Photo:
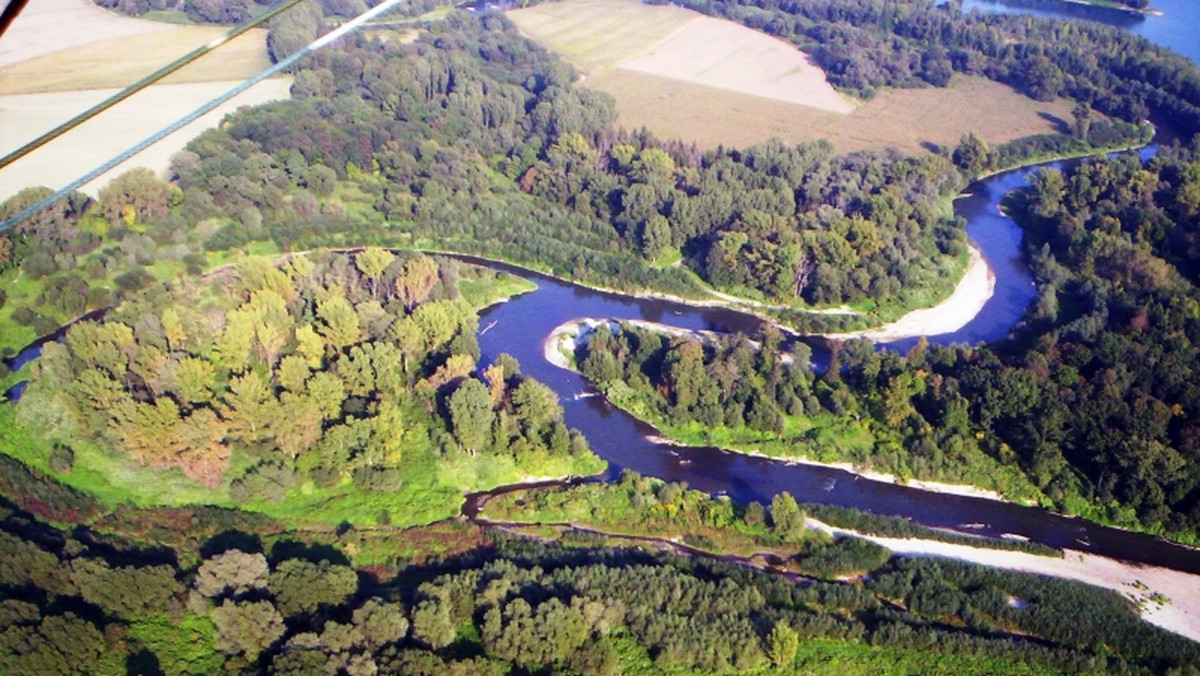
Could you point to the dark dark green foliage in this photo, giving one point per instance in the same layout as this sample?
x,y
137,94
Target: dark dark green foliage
x,y
1095,395
844,556
301,586
127,591
58,645
864,45
268,481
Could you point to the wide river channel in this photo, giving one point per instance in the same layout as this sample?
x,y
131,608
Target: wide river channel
x,y
521,326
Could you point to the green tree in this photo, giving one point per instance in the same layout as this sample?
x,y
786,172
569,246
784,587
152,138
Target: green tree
x,y
381,623
973,154
782,644
233,572
536,406
301,587
194,380
432,625
128,592
471,414
787,518
339,322
415,280
247,628
656,236
61,645
372,262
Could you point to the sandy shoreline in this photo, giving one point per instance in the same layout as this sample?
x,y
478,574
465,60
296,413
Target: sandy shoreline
x,y
1180,613
973,291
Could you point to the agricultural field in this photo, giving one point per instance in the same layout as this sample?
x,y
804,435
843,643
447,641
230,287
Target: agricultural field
x,y
661,66
116,62
60,57
25,117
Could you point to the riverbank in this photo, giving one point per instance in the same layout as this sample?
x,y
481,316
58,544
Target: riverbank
x,y
972,292
931,486
565,337
1121,7
1165,598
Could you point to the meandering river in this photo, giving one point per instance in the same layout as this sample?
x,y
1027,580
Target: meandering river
x,y
521,325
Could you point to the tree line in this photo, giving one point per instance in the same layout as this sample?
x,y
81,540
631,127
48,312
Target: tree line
x,y
867,44
94,602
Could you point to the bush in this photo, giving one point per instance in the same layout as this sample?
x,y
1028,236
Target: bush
x,y
62,459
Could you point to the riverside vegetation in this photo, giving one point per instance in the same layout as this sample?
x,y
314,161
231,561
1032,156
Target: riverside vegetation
x,y
332,384
1086,404
232,440
225,591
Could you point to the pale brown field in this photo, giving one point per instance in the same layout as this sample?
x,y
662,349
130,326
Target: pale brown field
x,y
120,61
687,79
62,56
602,36
47,26
595,34
24,117
907,119
66,45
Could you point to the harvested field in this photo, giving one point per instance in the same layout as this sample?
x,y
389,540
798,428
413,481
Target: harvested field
x,y
64,45
602,36
908,119
47,26
24,117
118,62
686,76
730,57
595,34
61,57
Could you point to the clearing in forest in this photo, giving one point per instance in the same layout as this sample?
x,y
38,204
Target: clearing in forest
x,y
687,76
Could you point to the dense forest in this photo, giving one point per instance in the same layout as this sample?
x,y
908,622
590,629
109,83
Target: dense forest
x,y
443,141
867,44
1093,399
341,377
317,401
734,393
248,599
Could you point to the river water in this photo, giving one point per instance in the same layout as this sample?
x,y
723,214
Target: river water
x,y
1178,28
522,325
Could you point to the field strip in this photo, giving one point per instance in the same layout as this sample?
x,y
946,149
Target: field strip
x,y
731,57
24,117
657,44
198,112
116,62
46,26
595,34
